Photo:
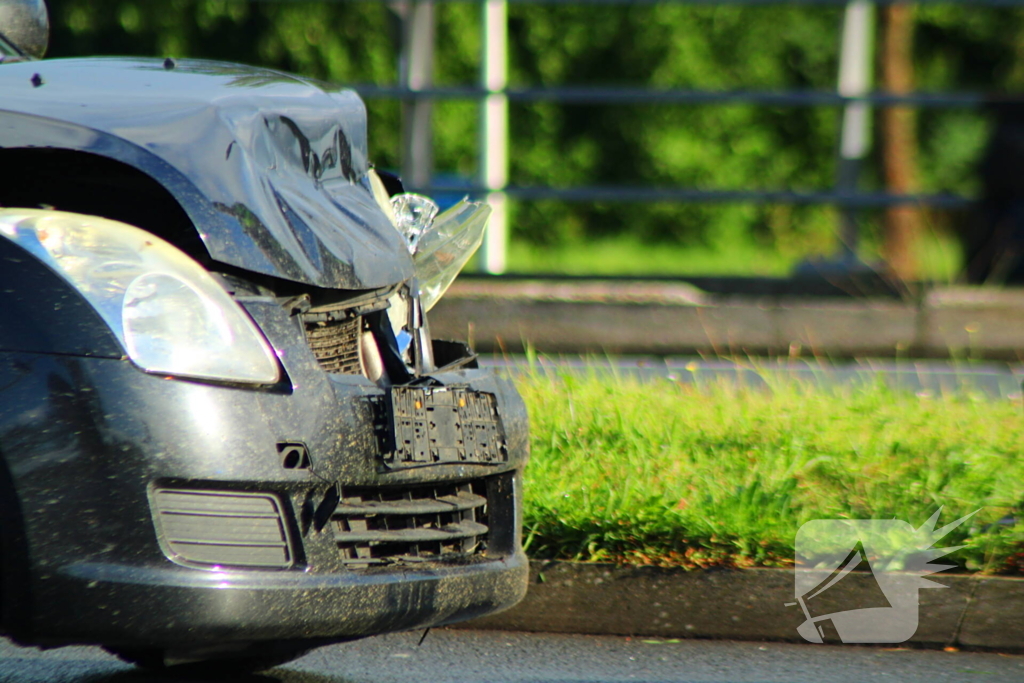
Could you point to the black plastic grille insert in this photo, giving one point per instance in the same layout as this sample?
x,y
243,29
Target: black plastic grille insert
x,y
222,528
436,522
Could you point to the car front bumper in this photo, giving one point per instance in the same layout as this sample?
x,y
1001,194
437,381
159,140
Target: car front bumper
x,y
86,441
124,605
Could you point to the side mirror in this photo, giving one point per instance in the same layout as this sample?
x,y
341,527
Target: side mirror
x,y
25,24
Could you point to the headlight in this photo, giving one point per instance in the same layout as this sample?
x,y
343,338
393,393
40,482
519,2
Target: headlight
x,y
169,313
445,247
440,245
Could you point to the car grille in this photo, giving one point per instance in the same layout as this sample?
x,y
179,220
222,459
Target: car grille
x,y
335,343
411,524
222,528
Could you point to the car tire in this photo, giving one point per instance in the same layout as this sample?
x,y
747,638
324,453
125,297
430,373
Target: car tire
x,y
241,661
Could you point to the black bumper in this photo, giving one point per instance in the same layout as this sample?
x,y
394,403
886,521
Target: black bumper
x,y
86,441
126,606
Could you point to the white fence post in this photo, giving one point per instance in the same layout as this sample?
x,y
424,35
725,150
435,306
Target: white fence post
x,y
417,73
494,133
855,71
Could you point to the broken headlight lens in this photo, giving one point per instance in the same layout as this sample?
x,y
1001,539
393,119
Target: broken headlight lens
x,y
413,216
440,244
169,313
445,246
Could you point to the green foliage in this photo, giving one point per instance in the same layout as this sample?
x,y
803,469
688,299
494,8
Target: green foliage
x,y
709,147
661,472
670,45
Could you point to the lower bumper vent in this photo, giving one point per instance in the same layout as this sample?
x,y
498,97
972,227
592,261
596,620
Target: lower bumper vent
x,y
222,528
411,524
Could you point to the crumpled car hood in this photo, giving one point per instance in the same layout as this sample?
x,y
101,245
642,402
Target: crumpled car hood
x,y
271,168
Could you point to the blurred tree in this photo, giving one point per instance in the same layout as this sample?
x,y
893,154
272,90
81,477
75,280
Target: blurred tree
x,y
899,140
703,146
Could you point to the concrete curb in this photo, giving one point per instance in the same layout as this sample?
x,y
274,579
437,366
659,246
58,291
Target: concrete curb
x,y
750,604
677,318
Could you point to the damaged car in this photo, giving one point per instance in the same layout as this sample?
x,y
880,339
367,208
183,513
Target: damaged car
x,y
225,429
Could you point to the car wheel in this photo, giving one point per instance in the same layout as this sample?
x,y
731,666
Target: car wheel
x,y
255,657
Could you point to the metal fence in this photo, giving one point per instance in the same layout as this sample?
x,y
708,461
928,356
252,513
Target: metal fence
x,y
853,94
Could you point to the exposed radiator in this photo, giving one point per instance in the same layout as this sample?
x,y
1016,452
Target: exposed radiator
x,y
335,343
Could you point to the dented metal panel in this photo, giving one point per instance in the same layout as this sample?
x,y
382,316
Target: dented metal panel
x,y
270,168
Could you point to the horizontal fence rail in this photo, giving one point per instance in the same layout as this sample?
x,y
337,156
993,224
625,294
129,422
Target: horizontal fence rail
x,y
854,95
615,95
627,96
618,193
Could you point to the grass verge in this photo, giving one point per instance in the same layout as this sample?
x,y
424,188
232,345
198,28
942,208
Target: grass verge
x,y
938,257
657,472
626,256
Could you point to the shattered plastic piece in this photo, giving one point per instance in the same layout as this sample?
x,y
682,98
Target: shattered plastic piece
x,y
414,214
445,248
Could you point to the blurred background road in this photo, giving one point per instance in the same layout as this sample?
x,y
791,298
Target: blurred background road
x,y
924,378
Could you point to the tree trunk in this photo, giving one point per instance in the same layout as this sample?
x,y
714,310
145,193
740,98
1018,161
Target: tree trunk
x,y
903,224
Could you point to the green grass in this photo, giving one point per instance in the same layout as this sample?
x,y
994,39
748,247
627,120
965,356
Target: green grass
x,y
626,256
661,473
939,259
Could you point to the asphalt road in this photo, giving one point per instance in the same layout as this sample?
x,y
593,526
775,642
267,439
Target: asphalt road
x,y
499,657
